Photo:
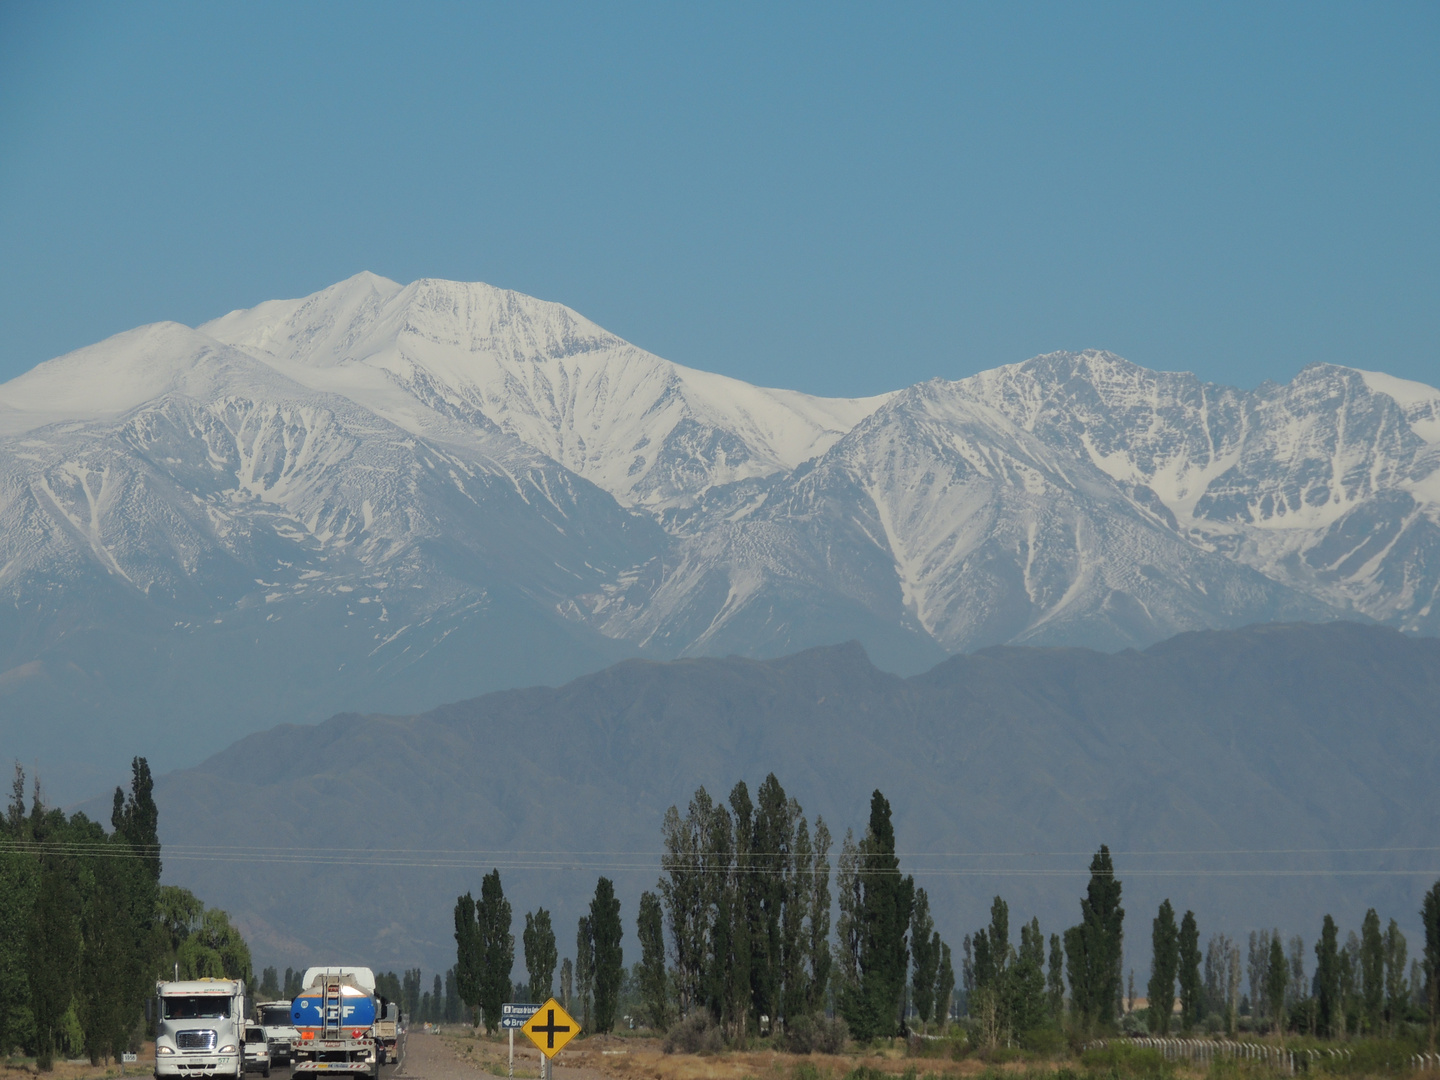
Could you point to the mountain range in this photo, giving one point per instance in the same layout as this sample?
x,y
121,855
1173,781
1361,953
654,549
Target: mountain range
x,y
381,497
1261,777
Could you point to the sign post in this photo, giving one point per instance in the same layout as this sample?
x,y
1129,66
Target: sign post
x,y
513,1014
550,1028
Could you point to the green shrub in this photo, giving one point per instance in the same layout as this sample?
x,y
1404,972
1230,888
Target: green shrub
x,y
1049,1041
818,1034
1119,1059
696,1034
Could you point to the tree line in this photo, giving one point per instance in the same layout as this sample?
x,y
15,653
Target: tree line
x,y
1365,986
738,931
86,926
737,928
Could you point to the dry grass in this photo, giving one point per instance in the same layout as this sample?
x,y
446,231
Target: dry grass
x,y
83,1070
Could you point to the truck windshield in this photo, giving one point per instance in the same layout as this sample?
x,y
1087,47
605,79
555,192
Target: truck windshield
x,y
275,1016
208,1007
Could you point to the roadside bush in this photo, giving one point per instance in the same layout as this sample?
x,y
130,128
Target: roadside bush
x,y
818,1034
804,1071
1044,1040
1119,1059
696,1034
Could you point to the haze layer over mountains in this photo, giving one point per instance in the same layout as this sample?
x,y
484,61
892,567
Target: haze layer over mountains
x,y
384,497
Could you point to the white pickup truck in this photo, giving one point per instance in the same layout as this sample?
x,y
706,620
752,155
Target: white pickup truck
x,y
201,1029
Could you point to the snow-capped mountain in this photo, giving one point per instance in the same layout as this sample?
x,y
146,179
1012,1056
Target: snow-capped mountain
x,y
386,496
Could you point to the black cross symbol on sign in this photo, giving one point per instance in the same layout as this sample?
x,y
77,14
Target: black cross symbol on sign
x,y
551,1029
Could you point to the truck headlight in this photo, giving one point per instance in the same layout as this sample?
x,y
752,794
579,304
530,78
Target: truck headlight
x,y
164,1050
228,1048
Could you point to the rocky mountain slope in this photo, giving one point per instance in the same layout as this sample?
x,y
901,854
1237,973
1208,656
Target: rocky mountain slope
x,y
1262,777
386,496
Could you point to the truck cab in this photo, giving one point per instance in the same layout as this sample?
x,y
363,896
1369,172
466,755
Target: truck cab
x,y
200,1029
280,1033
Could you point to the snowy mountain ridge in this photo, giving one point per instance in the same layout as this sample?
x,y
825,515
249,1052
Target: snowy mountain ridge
x,y
387,496
650,432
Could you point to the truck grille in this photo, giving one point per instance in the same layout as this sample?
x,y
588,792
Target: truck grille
x,y
195,1040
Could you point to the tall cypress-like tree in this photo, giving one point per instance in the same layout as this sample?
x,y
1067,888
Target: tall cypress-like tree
x,y
1372,971
54,942
818,949
541,954
770,858
19,882
1055,979
944,985
606,931
1094,949
1027,983
1328,1007
1164,964
497,948
1396,991
469,958
654,986
728,981
585,969
1192,987
924,957
1277,978
795,940
874,1007
1430,965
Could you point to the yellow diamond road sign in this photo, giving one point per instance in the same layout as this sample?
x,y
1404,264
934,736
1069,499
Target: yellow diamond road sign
x,y
551,1028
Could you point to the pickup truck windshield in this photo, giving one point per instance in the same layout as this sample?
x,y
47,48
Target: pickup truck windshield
x,y
209,1007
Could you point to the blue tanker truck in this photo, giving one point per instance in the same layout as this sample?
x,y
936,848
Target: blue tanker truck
x,y
334,1018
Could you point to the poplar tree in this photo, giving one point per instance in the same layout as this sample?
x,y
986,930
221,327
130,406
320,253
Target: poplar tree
x,y
654,986
874,1007
1191,986
795,940
53,947
925,957
1430,965
818,948
584,969
605,932
496,948
1372,971
1094,949
1055,979
728,985
769,858
1327,979
1396,991
1277,978
540,954
468,954
944,986
1164,964
1027,983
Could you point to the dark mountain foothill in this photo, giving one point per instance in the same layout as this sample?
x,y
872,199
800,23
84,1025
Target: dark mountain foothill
x,y
1262,777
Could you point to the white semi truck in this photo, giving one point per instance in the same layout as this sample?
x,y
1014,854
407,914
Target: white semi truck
x,y
200,1031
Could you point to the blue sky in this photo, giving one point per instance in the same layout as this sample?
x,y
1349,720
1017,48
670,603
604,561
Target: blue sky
x,y
840,199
